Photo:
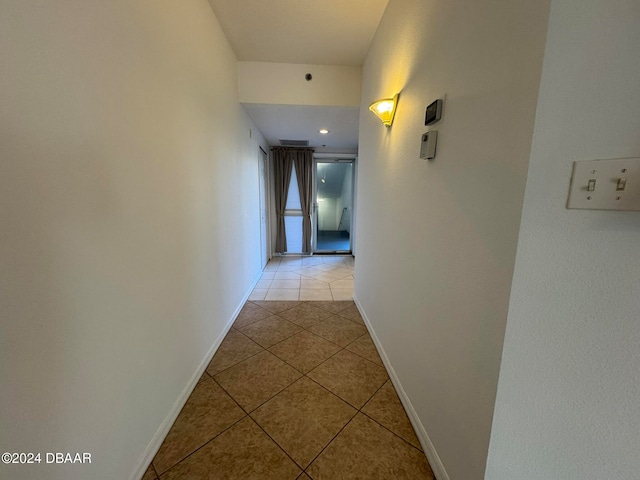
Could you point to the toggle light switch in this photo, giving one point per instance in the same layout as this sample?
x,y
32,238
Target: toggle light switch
x,y
605,185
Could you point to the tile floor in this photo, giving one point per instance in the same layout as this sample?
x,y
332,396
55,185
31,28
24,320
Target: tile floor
x,y
318,277
296,391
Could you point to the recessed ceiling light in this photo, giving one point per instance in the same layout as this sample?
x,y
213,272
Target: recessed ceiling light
x,y
323,131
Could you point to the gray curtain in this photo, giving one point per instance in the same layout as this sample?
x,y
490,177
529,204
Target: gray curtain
x,y
303,160
282,164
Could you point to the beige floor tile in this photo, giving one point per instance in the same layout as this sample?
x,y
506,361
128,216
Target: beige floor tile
x,y
338,330
150,474
365,450
276,306
313,283
340,294
365,347
334,307
328,267
257,379
264,284
334,258
340,272
258,294
271,268
344,283
270,331
289,267
315,294
288,259
308,272
305,315
329,276
386,409
304,351
208,412
235,348
283,294
286,276
286,283
268,275
349,376
306,262
243,452
303,419
249,314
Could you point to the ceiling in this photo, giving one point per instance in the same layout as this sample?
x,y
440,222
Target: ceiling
x,y
320,32
333,175
302,122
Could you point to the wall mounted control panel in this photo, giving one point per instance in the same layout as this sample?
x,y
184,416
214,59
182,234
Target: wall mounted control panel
x,y
605,185
433,113
428,145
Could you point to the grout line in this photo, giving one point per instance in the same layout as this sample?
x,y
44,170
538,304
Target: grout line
x,y
330,441
277,444
303,375
231,397
238,363
388,429
208,441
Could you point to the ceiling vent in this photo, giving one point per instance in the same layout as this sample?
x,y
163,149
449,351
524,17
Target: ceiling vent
x,y
294,143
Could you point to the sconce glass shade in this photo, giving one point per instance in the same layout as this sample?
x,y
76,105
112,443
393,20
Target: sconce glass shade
x,y
385,109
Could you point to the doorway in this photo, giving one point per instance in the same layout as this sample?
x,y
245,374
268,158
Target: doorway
x,y
333,205
263,174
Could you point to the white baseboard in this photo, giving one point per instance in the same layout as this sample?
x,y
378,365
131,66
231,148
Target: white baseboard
x,y
427,445
165,426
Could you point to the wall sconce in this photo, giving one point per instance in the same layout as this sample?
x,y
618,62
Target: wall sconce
x,y
385,109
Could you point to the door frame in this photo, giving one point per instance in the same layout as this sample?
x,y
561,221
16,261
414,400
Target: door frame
x,y
333,158
264,206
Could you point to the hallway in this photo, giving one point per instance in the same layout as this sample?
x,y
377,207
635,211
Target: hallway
x,y
318,278
295,391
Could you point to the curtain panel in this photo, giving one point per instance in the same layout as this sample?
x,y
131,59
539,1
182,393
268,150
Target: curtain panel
x,y
283,161
303,162
282,164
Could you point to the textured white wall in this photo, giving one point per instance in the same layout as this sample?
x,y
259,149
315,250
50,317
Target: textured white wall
x,y
129,221
436,240
568,404
285,84
345,200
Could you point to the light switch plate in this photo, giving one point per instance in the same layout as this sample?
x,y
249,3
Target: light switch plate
x,y
605,185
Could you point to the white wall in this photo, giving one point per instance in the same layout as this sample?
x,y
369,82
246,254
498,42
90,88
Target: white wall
x,y
568,404
345,199
285,84
328,214
129,222
436,240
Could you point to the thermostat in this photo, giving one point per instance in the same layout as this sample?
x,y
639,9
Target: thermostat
x,y
434,112
428,147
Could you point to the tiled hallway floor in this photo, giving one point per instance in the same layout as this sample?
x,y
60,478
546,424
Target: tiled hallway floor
x,y
296,391
306,278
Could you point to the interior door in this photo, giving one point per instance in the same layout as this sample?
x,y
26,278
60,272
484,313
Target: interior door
x,y
333,206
